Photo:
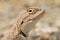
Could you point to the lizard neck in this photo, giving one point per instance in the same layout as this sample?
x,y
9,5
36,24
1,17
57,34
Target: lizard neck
x,y
14,31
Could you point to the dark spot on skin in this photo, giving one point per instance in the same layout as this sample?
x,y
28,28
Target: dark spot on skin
x,y
23,34
22,22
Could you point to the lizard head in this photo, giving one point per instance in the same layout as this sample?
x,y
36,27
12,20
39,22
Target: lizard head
x,y
32,13
30,18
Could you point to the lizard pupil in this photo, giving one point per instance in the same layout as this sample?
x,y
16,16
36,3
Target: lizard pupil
x,y
30,10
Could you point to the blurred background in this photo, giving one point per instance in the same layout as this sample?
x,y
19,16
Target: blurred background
x,y
9,10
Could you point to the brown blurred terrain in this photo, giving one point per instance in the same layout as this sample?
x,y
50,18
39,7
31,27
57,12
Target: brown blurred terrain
x,y
9,10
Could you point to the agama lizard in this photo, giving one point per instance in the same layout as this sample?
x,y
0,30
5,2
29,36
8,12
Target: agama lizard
x,y
24,22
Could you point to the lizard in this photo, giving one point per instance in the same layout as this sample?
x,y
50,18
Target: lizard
x,y
24,22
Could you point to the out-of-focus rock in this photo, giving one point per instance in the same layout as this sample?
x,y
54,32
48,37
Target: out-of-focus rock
x,y
40,32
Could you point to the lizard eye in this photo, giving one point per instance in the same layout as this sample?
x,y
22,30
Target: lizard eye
x,y
30,10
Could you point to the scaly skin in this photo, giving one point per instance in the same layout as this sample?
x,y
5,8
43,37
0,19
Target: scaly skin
x,y
26,16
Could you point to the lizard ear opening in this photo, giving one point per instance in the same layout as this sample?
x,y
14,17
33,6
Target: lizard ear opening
x,y
22,22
